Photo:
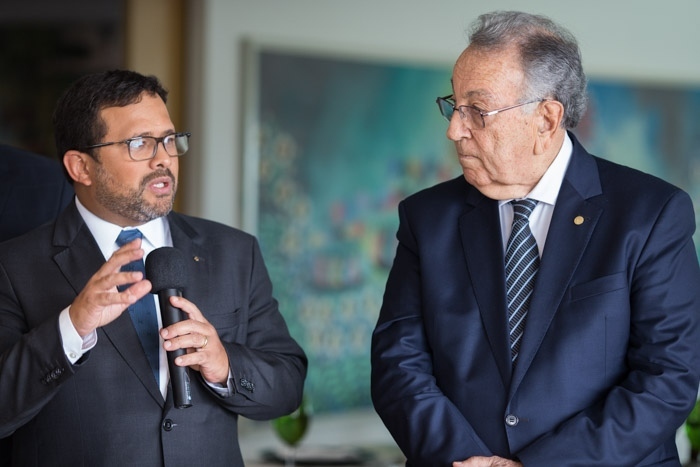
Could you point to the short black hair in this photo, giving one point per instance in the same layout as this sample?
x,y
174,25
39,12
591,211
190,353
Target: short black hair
x,y
76,119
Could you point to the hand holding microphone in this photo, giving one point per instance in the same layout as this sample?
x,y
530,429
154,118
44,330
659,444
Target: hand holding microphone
x,y
166,268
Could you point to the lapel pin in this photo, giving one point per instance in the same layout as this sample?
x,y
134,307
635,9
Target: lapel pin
x,y
578,220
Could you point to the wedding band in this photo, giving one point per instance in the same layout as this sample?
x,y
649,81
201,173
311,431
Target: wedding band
x,y
206,341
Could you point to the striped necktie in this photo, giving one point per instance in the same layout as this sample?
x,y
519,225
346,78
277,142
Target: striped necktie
x,y
522,262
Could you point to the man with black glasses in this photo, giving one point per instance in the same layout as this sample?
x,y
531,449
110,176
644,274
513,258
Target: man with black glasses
x,y
542,309
84,377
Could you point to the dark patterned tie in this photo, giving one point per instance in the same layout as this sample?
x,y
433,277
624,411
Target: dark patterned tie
x,y
522,262
143,312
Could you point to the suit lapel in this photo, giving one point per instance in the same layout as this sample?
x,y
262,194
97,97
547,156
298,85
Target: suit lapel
x,y
573,222
122,335
481,236
78,255
186,239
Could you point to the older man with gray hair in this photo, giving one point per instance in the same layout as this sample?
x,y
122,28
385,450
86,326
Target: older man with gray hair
x,y
542,309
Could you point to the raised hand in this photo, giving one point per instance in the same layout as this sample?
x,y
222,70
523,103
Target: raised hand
x,y
100,303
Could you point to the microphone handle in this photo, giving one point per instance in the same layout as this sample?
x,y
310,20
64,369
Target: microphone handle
x,y
179,375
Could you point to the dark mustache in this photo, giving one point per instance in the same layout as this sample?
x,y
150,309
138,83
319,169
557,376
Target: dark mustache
x,y
160,173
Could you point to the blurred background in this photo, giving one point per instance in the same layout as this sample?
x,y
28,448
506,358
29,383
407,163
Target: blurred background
x,y
311,119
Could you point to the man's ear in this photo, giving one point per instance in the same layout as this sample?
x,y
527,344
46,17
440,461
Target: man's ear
x,y
78,166
552,113
550,117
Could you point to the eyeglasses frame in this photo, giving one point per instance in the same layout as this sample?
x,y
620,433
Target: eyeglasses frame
x,y
482,113
159,140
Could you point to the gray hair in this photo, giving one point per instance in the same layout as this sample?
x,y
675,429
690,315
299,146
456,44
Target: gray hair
x,y
550,57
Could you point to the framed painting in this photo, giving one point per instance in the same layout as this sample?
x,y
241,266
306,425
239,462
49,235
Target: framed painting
x,y
331,145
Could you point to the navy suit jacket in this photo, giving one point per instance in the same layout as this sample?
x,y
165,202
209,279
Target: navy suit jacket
x,y
609,365
33,191
107,409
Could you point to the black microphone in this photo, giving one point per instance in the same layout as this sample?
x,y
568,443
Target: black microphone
x,y
166,268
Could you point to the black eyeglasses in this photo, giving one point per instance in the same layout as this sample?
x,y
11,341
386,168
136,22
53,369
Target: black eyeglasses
x,y
143,148
473,115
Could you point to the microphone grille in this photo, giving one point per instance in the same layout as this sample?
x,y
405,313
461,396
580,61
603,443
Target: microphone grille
x,y
166,268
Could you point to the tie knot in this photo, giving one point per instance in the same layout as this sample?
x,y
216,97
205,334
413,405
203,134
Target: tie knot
x,y
522,208
126,236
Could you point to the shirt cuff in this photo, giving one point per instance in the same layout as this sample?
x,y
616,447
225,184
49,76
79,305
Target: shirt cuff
x,y
74,346
220,389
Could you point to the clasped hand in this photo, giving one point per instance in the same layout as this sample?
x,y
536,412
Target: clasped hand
x,y
493,461
100,303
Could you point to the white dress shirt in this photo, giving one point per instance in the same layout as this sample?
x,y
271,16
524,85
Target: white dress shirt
x,y
545,192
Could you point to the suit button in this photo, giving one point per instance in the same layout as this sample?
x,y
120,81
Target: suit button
x,y
511,420
168,424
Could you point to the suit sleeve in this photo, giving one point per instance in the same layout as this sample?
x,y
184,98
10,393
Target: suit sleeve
x,y
660,386
268,366
32,364
426,425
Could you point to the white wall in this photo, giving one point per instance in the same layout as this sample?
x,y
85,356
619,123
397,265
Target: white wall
x,y
639,40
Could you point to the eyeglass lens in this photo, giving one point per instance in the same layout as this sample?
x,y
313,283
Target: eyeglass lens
x,y
446,108
473,115
145,147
